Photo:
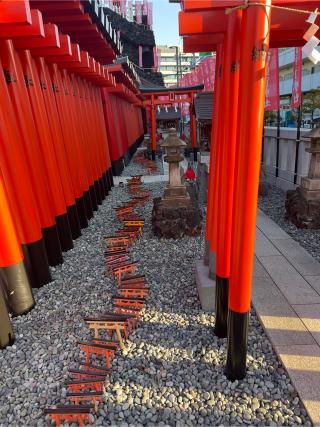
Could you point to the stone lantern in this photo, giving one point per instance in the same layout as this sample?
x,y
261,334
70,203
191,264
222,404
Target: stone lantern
x,y
176,193
310,185
176,213
303,204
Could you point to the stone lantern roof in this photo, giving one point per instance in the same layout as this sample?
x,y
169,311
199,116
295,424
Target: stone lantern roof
x,y
173,140
314,133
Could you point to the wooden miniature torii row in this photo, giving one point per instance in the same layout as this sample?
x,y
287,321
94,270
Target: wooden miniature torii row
x,y
241,33
175,95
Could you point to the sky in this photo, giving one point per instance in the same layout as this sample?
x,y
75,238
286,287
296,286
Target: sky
x,y
165,22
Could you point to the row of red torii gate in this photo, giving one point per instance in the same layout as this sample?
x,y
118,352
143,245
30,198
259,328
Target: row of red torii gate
x,y
71,115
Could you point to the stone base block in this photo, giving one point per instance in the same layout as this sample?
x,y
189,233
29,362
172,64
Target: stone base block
x,y
175,221
206,287
302,212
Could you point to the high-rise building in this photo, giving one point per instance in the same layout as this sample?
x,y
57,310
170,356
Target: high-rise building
x,y
173,63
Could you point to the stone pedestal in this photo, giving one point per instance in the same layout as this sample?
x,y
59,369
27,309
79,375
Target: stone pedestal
x,y
206,287
303,204
303,211
263,187
174,219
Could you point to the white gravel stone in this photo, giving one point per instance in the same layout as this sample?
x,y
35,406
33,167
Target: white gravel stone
x,y
172,371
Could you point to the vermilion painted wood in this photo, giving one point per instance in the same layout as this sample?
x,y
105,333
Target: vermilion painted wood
x,y
15,175
10,249
114,147
287,28
50,8
74,66
255,33
56,131
62,95
207,43
193,5
85,139
104,156
72,113
228,143
121,124
15,12
51,39
63,20
213,21
29,30
43,124
63,49
74,57
116,124
30,139
215,141
211,203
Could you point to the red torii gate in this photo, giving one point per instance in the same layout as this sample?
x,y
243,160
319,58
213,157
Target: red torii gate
x,y
176,95
241,37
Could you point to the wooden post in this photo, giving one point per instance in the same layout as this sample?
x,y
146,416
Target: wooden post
x,y
231,71
255,30
213,153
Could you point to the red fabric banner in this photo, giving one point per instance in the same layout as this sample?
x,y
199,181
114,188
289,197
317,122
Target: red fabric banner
x,y
297,79
202,74
272,101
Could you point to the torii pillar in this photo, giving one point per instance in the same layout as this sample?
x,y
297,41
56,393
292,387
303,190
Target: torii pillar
x,y
255,30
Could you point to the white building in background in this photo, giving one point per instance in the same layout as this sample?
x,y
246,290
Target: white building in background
x,y
310,72
172,62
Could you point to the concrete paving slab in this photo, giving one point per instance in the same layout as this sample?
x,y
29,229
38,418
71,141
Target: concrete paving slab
x,y
280,321
298,256
269,227
303,365
267,296
293,286
263,246
310,316
258,270
314,282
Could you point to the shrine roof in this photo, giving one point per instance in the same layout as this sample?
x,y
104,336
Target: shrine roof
x,y
168,114
203,103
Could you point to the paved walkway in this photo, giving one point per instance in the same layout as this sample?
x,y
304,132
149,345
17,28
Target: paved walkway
x,y
286,295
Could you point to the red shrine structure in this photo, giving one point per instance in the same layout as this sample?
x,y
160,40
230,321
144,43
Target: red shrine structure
x,y
71,114
240,32
152,98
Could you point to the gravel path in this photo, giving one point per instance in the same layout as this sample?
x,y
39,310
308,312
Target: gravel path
x,y
273,205
171,373
138,169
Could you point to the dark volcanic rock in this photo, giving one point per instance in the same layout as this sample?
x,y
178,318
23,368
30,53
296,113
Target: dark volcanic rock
x,y
301,212
175,222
